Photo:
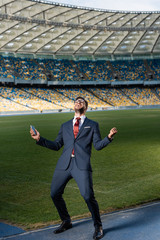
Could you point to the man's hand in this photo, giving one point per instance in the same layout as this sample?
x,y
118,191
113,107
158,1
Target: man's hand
x,y
112,132
36,137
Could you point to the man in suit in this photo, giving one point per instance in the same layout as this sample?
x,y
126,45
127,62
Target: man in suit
x,y
77,136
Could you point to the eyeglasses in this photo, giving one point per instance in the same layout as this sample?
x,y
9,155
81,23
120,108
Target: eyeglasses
x,y
79,101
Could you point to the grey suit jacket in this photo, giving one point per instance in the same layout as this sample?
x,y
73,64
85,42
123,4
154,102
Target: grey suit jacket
x,y
89,133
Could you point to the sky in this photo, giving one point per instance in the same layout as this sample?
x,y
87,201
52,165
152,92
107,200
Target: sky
x,y
129,5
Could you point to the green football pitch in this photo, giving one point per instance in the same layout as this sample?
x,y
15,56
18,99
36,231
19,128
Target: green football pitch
x,y
125,173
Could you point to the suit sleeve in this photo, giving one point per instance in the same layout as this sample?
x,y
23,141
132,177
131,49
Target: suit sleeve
x,y
97,141
53,145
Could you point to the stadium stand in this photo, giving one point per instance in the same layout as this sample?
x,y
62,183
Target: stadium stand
x,y
69,71
21,68
61,70
60,98
142,96
45,99
27,99
5,68
7,105
130,70
94,102
50,95
157,91
154,68
94,71
114,97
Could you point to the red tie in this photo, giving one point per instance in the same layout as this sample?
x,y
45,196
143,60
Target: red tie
x,y
76,129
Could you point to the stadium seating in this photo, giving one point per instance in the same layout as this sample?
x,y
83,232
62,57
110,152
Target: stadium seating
x,y
51,96
158,91
66,70
142,96
43,99
94,70
5,69
24,68
6,105
129,70
94,102
27,99
61,70
114,97
154,65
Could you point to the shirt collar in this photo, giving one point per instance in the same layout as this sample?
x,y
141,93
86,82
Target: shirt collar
x,y
82,118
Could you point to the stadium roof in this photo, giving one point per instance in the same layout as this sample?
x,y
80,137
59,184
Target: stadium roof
x,y
43,28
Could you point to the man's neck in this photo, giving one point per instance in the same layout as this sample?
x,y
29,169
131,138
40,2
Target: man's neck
x,y
79,115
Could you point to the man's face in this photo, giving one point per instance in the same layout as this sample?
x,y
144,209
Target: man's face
x,y
80,105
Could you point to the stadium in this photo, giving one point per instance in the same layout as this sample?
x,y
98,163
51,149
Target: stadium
x,y
51,53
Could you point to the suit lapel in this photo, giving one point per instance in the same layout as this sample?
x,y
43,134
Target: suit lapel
x,y
70,127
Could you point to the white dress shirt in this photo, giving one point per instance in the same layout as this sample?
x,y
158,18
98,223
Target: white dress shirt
x,y
81,121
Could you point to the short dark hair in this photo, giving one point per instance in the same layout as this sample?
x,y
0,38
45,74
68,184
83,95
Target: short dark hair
x,y
83,99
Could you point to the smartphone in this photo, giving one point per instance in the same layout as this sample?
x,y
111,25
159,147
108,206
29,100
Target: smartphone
x,y
33,128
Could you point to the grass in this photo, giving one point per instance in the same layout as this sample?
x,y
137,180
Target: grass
x,y
126,173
